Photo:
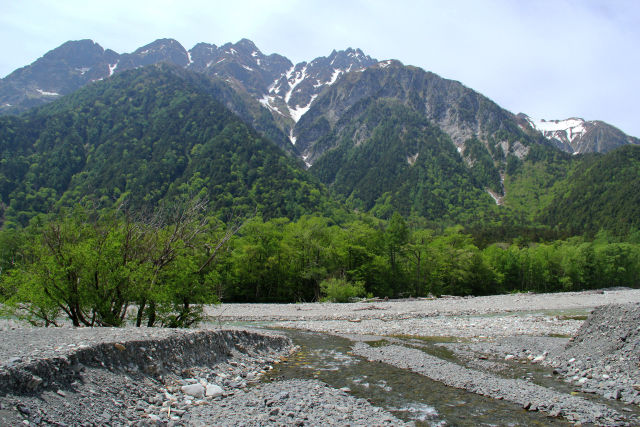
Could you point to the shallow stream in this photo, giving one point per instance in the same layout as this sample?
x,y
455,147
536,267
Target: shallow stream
x,y
407,395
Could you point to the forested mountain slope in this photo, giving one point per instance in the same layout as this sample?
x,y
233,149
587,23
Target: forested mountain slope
x,y
146,135
600,192
391,158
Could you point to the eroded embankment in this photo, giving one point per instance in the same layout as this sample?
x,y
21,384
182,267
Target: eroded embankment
x,y
126,376
151,356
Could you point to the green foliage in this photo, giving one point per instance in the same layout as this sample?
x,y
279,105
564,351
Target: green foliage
x,y
341,290
530,185
390,158
92,266
149,135
482,165
601,191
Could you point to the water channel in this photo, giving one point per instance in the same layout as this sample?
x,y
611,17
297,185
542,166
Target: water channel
x,y
407,395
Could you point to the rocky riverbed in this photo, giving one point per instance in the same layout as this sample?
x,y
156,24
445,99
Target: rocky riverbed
x,y
533,350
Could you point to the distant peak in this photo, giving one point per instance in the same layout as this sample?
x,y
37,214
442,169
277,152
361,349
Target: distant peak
x,y
158,44
247,44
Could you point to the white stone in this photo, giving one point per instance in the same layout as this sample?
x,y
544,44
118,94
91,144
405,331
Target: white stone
x,y
213,390
539,358
195,390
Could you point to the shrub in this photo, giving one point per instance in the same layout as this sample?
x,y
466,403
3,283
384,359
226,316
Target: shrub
x,y
340,290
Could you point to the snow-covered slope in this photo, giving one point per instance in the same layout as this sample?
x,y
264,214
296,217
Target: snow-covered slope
x,y
577,136
302,83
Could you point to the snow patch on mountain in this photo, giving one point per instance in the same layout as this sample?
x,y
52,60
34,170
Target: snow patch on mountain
x,y
268,101
304,159
112,68
411,160
569,129
300,76
45,93
298,112
334,76
496,197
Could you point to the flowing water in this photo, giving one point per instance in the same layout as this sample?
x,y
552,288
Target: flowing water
x,y
407,395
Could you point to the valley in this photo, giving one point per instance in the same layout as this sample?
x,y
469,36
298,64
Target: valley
x,y
319,213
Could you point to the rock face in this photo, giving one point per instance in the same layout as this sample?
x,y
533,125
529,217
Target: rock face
x,y
162,50
284,88
302,83
242,64
460,112
59,72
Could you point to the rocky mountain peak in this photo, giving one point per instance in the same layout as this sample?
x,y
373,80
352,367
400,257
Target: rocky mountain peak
x,y
576,135
292,94
247,45
161,50
289,90
393,63
59,72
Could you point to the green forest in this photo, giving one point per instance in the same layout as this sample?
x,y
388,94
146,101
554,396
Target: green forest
x,y
91,266
138,199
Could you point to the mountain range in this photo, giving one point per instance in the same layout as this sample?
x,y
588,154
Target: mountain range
x,y
380,135
288,90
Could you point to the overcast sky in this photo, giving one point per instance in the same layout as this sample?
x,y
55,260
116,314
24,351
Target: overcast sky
x,y
551,59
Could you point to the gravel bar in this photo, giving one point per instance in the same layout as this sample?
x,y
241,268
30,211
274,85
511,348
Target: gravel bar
x,y
418,308
293,402
530,396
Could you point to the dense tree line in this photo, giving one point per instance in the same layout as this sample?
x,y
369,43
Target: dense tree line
x,y
285,261
98,267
